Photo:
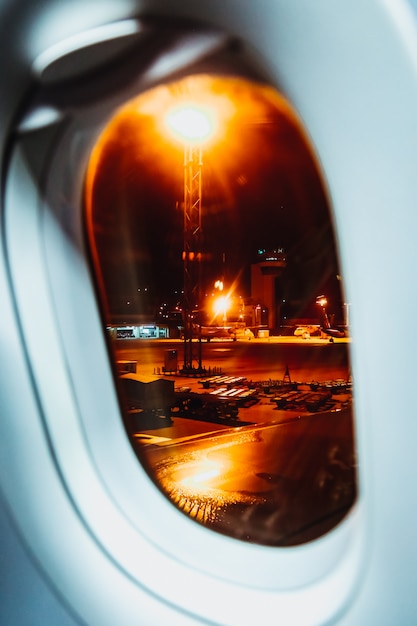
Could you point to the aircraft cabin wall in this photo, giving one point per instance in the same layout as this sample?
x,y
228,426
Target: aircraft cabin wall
x,y
76,548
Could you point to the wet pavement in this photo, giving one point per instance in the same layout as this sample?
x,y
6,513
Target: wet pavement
x,y
265,455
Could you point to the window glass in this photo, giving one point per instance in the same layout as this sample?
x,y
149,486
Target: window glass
x,y
217,270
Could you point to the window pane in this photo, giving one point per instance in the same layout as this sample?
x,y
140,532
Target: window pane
x,y
217,270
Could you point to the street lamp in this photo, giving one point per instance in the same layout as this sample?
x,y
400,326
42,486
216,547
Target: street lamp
x,y
193,125
222,302
221,306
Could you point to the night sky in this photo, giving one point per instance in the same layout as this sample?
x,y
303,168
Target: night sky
x,y
261,189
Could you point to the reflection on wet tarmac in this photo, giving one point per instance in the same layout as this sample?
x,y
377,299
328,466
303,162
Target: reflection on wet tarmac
x,y
281,484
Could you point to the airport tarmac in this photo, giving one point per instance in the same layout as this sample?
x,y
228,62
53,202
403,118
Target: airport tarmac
x,y
276,360
265,407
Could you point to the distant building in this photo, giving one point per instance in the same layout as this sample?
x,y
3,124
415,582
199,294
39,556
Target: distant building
x,y
265,273
134,327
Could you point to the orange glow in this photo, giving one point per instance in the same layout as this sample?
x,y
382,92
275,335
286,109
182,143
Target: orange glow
x,y
221,305
191,123
198,108
258,186
138,133
222,101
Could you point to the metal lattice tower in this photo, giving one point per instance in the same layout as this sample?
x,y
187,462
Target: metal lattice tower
x,y
193,163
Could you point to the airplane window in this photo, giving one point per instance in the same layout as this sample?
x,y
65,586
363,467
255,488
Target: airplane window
x,y
217,271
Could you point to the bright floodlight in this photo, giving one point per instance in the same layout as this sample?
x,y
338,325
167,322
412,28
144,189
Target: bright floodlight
x,y
321,301
190,123
221,305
